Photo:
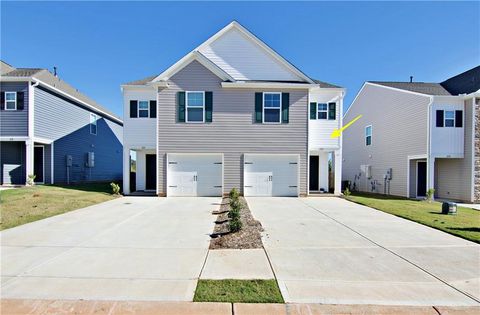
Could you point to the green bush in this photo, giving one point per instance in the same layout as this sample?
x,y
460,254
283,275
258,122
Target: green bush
x,y
234,214
347,192
235,225
115,188
430,194
234,194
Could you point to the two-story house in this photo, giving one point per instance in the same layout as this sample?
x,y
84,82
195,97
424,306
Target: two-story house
x,y
232,113
414,136
51,130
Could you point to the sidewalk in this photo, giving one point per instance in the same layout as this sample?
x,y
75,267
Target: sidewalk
x,y
35,307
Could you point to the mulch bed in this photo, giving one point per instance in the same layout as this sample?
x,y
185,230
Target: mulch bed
x,y
248,237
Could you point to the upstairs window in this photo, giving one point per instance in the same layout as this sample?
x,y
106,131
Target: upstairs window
x,y
449,118
10,100
195,107
272,107
368,135
322,110
93,124
143,109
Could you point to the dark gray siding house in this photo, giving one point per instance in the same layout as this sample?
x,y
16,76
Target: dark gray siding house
x,y
50,130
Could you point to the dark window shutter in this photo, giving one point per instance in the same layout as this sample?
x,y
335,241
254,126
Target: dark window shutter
x,y
313,110
439,118
133,109
332,111
181,106
258,106
459,118
285,107
208,106
20,100
2,102
153,109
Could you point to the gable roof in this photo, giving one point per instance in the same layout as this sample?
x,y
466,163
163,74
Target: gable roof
x,y
463,83
203,54
418,87
54,83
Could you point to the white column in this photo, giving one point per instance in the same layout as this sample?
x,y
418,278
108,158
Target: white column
x,y
338,171
28,159
126,170
430,173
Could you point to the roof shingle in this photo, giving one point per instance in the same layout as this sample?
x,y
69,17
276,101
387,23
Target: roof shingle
x,y
418,87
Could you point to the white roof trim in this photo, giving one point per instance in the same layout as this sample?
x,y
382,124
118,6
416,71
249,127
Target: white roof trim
x,y
187,59
266,85
180,64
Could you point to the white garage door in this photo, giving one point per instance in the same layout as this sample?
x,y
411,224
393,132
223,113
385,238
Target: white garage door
x,y
195,175
271,175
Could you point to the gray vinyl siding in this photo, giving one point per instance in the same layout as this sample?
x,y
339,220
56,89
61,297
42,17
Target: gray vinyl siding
x,y
477,151
15,122
12,162
453,176
399,129
233,131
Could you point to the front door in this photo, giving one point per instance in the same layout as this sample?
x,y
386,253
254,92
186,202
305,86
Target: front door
x,y
150,172
314,172
38,164
421,179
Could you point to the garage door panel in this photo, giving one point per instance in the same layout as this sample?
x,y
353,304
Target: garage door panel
x,y
271,175
204,171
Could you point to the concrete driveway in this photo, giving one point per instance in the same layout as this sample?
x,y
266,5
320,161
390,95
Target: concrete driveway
x,y
329,250
131,248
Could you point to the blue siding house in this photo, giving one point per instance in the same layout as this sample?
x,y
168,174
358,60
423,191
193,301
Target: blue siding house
x,y
50,130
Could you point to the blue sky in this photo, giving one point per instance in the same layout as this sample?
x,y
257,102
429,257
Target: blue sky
x,y
99,45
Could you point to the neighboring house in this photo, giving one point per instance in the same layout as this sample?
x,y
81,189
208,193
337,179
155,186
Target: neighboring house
x,y
414,136
50,130
231,113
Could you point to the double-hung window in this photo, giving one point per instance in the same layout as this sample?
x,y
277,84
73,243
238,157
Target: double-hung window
x,y
93,124
322,109
272,107
368,135
143,109
195,107
10,100
449,118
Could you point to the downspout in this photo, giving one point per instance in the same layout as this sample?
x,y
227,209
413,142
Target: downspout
x,y
429,142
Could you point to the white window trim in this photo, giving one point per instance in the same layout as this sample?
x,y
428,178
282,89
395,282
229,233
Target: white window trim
x,y
138,108
371,135
96,125
445,118
186,108
326,112
14,93
279,109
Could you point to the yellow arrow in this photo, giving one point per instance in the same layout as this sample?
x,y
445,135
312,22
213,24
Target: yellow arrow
x,y
338,132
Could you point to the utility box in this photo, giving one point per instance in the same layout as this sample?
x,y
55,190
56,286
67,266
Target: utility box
x,y
389,173
449,207
367,169
90,159
69,160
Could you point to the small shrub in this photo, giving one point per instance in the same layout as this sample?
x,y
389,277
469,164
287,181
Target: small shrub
x,y
234,214
347,192
235,225
234,194
115,188
31,179
235,204
430,194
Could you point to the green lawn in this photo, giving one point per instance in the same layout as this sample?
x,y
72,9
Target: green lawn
x,y
466,223
23,205
238,291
